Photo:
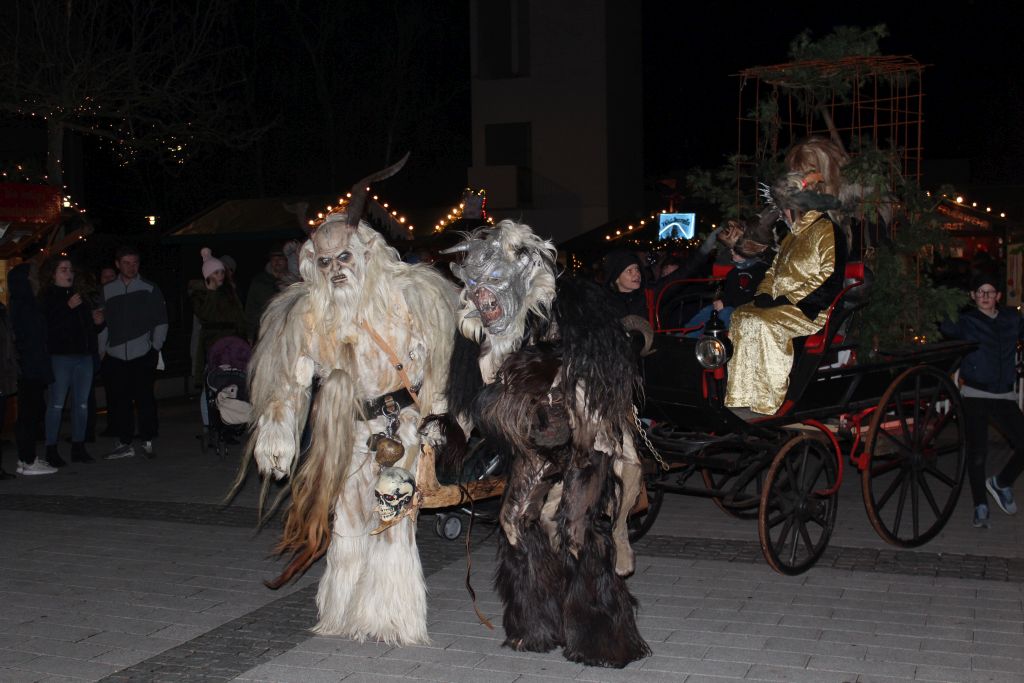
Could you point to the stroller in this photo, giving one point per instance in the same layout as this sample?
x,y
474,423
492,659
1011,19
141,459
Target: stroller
x,y
226,393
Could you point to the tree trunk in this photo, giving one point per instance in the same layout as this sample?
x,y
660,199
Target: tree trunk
x,y
55,152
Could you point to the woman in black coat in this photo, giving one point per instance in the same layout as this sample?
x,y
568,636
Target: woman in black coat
x,y
34,370
72,327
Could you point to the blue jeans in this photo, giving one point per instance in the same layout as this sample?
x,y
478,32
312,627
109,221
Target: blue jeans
x,y
704,314
72,372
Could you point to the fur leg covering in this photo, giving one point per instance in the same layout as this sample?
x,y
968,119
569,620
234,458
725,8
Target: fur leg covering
x,y
630,473
373,586
531,582
598,610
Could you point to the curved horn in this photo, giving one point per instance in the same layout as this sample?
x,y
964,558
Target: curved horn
x,y
358,203
634,323
458,248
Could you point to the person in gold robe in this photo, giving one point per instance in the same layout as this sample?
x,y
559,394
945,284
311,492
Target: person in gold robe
x,y
792,299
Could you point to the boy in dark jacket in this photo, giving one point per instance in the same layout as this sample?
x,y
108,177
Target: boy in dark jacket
x,y
987,377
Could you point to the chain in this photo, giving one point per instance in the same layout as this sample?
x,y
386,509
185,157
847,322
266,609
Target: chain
x,y
647,442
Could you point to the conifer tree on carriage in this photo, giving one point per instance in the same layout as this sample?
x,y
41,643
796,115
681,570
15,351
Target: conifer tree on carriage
x,y
817,370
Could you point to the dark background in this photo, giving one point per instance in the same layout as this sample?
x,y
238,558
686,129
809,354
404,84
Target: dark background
x,y
340,88
973,98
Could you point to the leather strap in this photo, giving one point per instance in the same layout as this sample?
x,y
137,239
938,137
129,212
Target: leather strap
x,y
393,358
379,406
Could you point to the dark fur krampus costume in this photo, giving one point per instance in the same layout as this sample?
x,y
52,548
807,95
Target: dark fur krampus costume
x,y
559,378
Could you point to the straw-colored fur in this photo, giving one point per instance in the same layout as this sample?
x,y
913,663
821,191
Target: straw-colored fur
x,y
373,585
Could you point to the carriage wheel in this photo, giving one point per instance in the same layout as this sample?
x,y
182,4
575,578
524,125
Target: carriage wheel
x,y
795,520
915,457
746,499
641,522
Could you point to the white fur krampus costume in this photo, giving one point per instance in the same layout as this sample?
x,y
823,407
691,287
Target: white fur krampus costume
x,y
559,378
377,333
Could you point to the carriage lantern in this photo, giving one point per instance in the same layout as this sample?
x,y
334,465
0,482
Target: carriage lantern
x,y
714,348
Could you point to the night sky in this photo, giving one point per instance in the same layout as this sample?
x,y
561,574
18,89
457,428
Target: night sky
x,y
973,93
392,76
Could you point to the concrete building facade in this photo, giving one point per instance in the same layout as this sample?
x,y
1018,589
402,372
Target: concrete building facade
x,y
557,111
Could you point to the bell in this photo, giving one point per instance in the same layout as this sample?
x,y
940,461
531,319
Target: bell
x,y
389,451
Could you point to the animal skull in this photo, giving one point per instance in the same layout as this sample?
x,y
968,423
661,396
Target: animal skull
x,y
394,491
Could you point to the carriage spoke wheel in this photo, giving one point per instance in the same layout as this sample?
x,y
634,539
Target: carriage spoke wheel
x,y
916,457
796,518
640,523
745,488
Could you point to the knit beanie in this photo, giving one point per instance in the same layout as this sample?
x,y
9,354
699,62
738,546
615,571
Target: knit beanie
x,y
229,263
210,264
979,280
617,261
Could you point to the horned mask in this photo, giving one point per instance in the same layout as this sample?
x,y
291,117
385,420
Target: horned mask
x,y
334,253
496,279
335,250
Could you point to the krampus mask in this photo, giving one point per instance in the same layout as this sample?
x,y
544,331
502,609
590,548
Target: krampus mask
x,y
496,280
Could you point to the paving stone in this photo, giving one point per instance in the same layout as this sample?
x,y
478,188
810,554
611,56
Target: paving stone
x,y
705,601
12,675
12,657
683,665
856,666
938,673
68,667
748,656
432,671
512,665
764,672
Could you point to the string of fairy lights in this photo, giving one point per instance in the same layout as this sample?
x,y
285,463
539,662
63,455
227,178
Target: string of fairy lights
x,y
20,173
960,200
343,201
110,131
457,212
450,218
630,232
633,230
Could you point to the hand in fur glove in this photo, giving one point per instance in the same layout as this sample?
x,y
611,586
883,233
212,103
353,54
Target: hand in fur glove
x,y
275,444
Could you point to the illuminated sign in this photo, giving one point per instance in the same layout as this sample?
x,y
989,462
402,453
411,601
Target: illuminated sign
x,y
673,226
961,220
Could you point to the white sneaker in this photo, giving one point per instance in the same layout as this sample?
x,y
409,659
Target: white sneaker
x,y
40,466
147,449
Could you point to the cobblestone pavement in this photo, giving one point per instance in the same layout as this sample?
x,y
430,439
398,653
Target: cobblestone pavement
x,y
136,571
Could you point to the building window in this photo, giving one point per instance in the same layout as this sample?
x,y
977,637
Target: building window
x,y
510,144
503,38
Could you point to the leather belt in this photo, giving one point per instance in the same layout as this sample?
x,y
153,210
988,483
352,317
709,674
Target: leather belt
x,y
388,403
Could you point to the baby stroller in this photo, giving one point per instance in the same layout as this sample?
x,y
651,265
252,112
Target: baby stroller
x,y
226,393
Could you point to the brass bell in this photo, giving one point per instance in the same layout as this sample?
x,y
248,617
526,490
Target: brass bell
x,y
389,451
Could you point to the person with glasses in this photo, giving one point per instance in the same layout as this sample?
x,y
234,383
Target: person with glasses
x,y
987,378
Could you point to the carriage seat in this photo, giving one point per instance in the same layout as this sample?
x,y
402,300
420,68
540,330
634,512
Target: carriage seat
x,y
845,303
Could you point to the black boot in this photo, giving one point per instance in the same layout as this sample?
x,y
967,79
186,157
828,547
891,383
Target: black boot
x,y
53,457
79,454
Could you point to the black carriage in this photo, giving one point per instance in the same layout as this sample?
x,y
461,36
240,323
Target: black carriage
x,y
896,416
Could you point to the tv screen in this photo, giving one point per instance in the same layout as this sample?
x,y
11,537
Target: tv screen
x,y
673,226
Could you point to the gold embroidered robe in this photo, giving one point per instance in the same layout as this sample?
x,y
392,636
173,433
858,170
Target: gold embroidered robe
x,y
758,373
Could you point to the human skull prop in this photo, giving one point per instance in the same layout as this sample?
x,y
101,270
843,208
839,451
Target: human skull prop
x,y
394,490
